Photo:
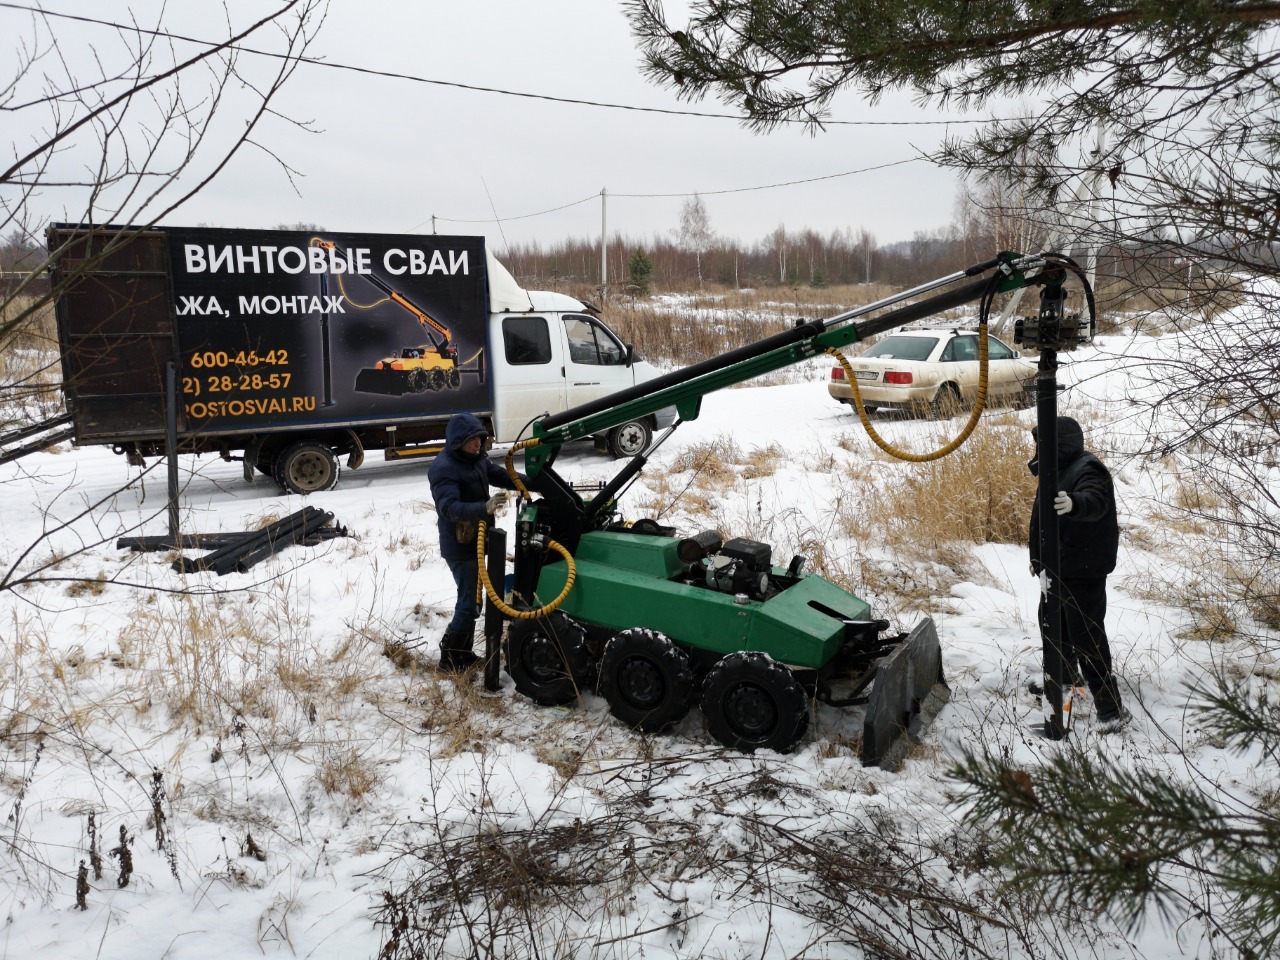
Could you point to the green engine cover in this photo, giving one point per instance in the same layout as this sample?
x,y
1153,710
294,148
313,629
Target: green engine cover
x,y
631,580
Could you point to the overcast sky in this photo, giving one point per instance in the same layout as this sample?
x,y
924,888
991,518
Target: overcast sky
x,y
393,153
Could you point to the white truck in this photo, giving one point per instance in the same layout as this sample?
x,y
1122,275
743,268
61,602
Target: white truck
x,y
290,350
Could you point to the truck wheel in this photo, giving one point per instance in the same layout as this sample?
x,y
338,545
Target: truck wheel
x,y
416,381
630,438
307,466
753,702
454,378
549,659
646,679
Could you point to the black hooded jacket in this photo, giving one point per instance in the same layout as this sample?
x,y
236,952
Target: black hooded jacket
x,y
1089,534
460,486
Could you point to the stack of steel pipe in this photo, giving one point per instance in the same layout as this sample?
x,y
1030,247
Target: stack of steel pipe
x,y
244,550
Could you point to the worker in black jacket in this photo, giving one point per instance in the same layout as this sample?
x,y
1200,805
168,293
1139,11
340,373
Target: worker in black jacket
x,y
460,477
1089,537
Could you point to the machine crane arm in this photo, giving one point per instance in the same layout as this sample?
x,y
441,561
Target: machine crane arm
x,y
685,388
424,318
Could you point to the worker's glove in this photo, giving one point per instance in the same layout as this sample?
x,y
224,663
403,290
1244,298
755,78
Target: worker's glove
x,y
497,504
1062,503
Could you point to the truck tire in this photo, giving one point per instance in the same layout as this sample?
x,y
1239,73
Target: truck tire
x,y
630,439
549,659
416,381
307,466
753,702
647,679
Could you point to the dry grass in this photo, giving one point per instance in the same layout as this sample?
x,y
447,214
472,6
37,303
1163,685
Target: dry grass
x,y
981,493
346,769
29,366
34,326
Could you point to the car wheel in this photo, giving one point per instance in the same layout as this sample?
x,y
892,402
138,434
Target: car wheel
x,y
753,702
945,403
630,439
549,659
647,679
416,381
307,466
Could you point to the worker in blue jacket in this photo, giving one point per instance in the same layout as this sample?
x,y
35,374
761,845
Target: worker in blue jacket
x,y
1089,537
460,478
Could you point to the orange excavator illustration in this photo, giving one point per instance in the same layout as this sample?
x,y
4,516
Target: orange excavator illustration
x,y
418,368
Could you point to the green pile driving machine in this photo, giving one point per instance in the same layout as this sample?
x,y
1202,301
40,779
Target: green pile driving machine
x,y
656,622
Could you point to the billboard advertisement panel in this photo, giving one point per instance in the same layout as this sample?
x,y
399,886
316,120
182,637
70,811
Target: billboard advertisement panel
x,y
288,328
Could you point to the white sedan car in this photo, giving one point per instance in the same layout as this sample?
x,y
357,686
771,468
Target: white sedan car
x,y
934,371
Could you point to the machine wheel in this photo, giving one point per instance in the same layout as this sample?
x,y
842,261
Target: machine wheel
x,y
416,381
454,378
753,702
630,438
436,379
945,403
549,659
646,679
307,466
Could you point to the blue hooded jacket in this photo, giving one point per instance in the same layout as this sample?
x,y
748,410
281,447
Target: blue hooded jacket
x,y
460,485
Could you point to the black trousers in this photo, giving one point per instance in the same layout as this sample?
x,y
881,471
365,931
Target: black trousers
x,y
1084,638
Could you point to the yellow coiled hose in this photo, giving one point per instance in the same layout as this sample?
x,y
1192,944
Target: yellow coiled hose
x,y
485,586
979,404
483,583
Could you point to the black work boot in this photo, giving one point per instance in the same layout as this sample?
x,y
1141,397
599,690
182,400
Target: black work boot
x,y
455,651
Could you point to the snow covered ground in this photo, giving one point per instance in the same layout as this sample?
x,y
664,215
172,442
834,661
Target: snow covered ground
x,y
273,775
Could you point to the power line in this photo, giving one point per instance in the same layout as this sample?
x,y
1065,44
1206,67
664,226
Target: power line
x,y
688,193
391,75
771,186
523,216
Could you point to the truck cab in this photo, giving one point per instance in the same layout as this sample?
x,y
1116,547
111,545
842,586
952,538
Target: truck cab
x,y
552,352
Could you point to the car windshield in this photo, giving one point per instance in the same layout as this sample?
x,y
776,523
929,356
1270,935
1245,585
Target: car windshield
x,y
902,348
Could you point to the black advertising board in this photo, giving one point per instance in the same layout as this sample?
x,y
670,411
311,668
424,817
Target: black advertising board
x,y
280,329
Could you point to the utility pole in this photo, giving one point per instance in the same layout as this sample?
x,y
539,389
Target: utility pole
x,y
604,249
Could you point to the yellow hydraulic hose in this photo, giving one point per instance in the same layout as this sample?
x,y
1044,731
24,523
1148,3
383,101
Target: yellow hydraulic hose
x,y
979,403
511,465
484,583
